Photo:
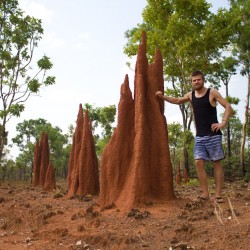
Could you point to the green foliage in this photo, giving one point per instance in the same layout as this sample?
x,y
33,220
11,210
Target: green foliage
x,y
236,129
28,132
103,117
240,23
231,163
100,145
20,35
50,80
226,67
7,169
188,139
191,37
178,139
175,142
174,134
193,182
16,109
31,131
247,177
44,63
187,33
233,100
34,85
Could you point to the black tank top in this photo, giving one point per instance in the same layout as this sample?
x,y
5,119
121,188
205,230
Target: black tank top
x,y
205,114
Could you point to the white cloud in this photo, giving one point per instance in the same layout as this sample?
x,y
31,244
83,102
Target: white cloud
x,y
80,46
83,38
37,10
51,41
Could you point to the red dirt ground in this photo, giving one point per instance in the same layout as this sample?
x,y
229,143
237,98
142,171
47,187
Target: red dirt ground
x,y
31,218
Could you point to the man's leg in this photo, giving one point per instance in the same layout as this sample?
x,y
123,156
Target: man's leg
x,y
219,178
202,176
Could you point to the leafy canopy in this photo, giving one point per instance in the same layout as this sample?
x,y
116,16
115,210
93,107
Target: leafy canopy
x,y
19,35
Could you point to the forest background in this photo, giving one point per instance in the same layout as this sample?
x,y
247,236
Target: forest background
x,y
88,58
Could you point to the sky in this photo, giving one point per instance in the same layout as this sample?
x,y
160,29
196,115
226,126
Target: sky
x,y
84,40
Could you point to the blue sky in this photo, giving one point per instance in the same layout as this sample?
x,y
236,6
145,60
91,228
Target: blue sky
x,y
85,40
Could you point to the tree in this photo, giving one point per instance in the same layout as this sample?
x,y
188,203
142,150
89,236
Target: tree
x,y
28,132
240,23
6,167
175,141
227,70
19,36
101,116
189,36
232,162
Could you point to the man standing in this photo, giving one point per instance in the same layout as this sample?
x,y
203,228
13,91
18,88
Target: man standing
x,y
208,140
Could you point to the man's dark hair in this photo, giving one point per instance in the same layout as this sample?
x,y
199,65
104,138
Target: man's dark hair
x,y
197,73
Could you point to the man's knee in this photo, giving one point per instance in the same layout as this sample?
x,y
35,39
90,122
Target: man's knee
x,y
199,163
217,164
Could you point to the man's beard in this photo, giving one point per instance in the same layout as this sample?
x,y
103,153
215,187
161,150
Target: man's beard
x,y
198,87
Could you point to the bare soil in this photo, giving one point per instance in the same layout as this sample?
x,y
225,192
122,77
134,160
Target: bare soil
x,y
31,218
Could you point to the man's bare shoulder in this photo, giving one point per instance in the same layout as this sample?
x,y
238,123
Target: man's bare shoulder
x,y
189,96
215,93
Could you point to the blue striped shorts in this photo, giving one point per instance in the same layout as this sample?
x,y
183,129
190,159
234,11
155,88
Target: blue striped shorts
x,y
208,148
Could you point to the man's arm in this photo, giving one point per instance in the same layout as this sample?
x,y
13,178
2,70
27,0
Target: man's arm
x,y
228,109
223,102
174,100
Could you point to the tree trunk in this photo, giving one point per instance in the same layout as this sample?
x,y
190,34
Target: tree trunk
x,y
185,125
242,148
31,172
186,160
228,132
3,138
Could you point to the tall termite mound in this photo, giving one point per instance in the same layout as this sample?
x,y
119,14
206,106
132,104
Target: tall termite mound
x,y
50,181
135,164
36,164
83,176
44,174
44,158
